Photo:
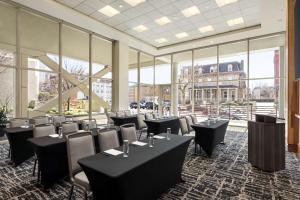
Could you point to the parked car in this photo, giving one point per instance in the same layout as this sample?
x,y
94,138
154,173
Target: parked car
x,y
151,105
133,105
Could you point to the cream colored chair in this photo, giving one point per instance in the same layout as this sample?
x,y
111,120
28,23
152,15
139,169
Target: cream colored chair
x,y
68,128
128,132
108,139
79,145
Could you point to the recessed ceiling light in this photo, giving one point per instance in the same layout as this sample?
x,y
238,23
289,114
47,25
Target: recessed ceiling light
x,y
162,21
188,12
108,11
140,28
120,6
181,35
161,40
134,2
222,3
205,29
236,21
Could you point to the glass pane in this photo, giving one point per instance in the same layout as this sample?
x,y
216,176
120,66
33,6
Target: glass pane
x,y
265,56
206,103
182,63
75,72
184,98
7,85
42,91
133,80
233,61
205,64
101,78
163,84
146,80
263,97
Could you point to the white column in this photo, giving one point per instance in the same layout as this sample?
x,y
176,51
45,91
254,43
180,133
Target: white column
x,y
236,94
174,89
210,94
228,94
120,76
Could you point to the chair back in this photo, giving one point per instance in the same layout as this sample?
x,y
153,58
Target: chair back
x,y
43,130
120,114
58,119
128,132
108,139
40,120
183,126
79,145
189,122
17,122
127,113
140,121
149,116
194,118
109,119
91,123
155,115
68,128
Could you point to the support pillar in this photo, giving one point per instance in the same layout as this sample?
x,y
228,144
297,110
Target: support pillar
x,y
174,89
120,76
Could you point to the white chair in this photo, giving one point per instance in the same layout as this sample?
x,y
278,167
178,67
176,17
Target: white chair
x,y
40,120
108,139
68,128
120,114
155,115
127,113
18,122
41,131
194,118
149,116
109,119
90,123
79,145
58,119
142,126
189,122
128,132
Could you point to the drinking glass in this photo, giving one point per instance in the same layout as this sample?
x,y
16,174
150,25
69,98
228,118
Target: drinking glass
x,y
26,124
60,135
125,148
151,140
168,133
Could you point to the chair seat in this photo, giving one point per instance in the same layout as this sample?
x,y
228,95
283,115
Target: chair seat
x,y
81,179
192,133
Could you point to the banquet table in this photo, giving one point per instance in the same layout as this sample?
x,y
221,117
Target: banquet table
x,y
20,149
119,121
209,135
158,126
145,174
52,157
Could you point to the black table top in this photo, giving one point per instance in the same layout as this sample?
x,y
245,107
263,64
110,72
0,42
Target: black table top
x,y
46,141
124,117
115,166
211,125
161,120
18,129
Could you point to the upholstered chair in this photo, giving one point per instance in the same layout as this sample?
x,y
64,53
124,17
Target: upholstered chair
x,y
128,132
108,140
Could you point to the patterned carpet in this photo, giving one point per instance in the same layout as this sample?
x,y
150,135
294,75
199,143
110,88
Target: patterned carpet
x,y
226,175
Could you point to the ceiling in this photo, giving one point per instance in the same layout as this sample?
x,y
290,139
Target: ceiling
x,y
146,14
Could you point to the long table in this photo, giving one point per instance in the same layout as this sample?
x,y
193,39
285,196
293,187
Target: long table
x,y
52,157
145,174
209,135
158,126
20,149
119,121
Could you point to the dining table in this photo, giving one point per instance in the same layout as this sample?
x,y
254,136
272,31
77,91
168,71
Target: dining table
x,y
20,149
145,174
160,125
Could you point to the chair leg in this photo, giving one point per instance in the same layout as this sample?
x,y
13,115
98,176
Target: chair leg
x,y
85,195
141,132
34,166
9,152
71,192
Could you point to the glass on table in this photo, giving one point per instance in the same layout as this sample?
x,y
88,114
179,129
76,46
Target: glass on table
x,y
151,140
168,133
26,124
60,135
125,148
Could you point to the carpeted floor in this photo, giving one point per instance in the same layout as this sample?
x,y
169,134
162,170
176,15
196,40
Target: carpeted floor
x,y
226,175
